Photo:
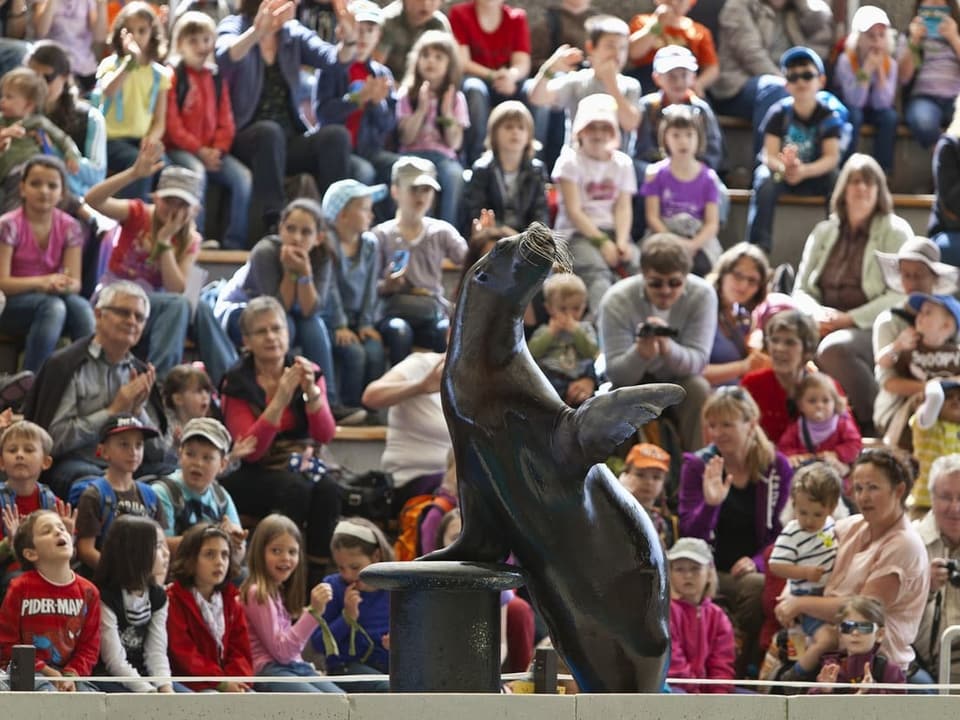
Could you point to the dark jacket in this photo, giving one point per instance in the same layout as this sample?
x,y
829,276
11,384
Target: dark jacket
x,y
945,213
333,105
483,191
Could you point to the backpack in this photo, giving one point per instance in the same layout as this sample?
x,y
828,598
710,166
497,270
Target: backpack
x,y
108,500
409,544
104,102
182,513
183,84
8,498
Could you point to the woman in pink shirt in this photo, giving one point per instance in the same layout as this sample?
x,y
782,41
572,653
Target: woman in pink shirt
x,y
40,258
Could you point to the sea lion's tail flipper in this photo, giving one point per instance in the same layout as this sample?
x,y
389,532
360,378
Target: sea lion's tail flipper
x,y
605,421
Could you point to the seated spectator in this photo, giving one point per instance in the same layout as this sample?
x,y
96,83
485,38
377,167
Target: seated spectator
x,y
187,394
644,474
940,532
40,265
801,144
929,64
404,21
281,401
659,326
669,26
13,24
879,555
80,28
936,432
494,44
865,76
732,493
944,224
80,386
739,279
914,268
840,284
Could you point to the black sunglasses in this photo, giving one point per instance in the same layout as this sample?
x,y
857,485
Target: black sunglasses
x,y
807,75
657,283
864,627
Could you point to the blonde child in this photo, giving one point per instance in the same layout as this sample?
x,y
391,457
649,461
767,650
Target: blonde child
x,y
806,549
825,429
681,192
566,347
131,90
597,183
865,77
701,635
644,476
272,595
199,123
432,114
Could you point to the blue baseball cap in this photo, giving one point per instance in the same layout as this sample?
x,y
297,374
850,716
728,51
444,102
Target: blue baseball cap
x,y
948,301
343,191
798,54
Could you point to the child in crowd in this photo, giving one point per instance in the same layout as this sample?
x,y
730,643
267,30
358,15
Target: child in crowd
x,y
272,597
430,516
296,268
192,495
132,87
932,350
350,313
927,60
606,51
41,250
865,76
508,179
597,183
187,394
362,97
357,615
566,347
495,39
100,500
432,114
824,430
133,610
199,123
206,626
404,21
701,635
644,475
859,662
25,132
412,249
936,433
669,26
805,551
801,144
50,607
681,192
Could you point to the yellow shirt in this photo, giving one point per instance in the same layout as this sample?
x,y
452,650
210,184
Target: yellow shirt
x,y
129,111
941,439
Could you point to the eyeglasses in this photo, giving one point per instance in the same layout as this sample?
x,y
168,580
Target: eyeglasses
x,y
672,283
126,313
864,627
806,76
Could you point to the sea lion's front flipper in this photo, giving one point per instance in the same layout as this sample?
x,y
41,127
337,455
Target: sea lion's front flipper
x,y
605,421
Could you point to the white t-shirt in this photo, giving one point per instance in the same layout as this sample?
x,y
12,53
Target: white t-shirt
x,y
417,436
600,183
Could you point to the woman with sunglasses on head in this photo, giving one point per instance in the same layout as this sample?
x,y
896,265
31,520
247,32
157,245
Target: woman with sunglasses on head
x,y
880,555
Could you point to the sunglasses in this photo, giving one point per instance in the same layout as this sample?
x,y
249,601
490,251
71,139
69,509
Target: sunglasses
x,y
864,627
806,76
672,283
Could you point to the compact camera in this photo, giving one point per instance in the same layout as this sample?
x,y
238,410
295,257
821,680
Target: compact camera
x,y
953,567
649,330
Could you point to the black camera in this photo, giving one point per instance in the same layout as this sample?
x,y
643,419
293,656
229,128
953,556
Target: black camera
x,y
649,330
953,567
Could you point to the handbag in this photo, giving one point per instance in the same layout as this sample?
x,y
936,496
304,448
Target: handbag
x,y
368,495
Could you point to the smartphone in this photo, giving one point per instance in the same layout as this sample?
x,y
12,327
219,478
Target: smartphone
x,y
399,263
932,16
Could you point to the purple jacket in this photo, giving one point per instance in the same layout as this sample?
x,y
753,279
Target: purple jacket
x,y
697,519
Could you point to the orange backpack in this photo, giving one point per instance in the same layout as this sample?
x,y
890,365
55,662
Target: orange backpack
x,y
408,545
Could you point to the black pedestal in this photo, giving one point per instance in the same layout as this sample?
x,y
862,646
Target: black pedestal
x,y
444,623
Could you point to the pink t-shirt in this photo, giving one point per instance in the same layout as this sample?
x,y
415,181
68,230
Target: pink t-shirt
x,y
29,260
130,258
900,551
492,50
429,137
274,637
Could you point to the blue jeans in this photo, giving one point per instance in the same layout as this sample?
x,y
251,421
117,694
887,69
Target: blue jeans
x,y
362,686
753,101
121,154
357,365
480,98
763,202
294,669
43,318
884,121
12,53
374,169
43,684
166,330
236,178
216,350
450,177
926,116
948,242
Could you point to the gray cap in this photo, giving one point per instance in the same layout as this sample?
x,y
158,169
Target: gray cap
x,y
413,171
210,430
179,182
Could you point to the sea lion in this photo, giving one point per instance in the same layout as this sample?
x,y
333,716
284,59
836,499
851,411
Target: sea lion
x,y
529,483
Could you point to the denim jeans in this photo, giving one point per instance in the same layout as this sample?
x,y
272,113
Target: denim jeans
x,y
926,116
122,154
294,669
357,365
948,242
166,330
43,684
763,202
236,178
374,169
362,686
884,121
216,350
481,97
43,318
450,177
752,103
12,53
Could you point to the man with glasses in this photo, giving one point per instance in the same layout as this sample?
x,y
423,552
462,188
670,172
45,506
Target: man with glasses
x,y
659,326
88,381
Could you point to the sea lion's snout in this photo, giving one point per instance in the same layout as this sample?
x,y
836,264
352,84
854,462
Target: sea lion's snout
x,y
537,245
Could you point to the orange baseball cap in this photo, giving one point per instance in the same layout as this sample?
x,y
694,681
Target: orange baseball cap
x,y
646,455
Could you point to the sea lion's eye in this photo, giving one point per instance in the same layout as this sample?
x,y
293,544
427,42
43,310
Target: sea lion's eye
x,y
480,275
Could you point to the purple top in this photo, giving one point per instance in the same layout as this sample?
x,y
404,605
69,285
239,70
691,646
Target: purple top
x,y
71,28
29,260
680,197
939,74
429,138
853,94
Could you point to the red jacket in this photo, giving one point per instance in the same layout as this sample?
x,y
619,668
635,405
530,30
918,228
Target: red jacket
x,y
202,122
846,441
191,647
702,645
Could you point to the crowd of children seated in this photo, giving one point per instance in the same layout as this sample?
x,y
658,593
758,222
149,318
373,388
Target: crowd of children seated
x,y
415,135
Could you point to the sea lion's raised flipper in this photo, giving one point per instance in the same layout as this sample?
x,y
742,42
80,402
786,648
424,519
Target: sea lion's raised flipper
x,y
605,421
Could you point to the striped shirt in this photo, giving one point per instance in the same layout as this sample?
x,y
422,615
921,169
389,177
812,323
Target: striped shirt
x,y
812,549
